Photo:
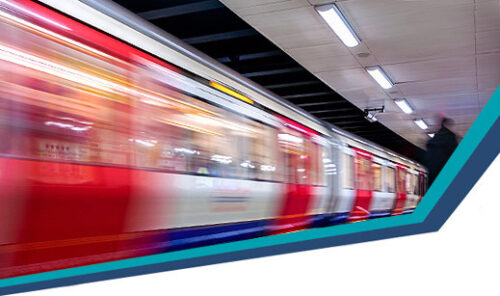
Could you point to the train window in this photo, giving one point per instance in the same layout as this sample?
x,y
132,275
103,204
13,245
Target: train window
x,y
418,185
390,179
401,181
348,171
363,173
316,165
377,177
294,146
415,184
329,164
182,135
50,114
408,183
240,148
325,165
422,185
264,153
303,166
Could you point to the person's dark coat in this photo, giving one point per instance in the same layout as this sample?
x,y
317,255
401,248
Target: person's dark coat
x,y
439,150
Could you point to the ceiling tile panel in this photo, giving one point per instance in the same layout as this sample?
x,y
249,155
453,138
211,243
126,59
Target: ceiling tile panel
x,y
487,15
488,41
488,70
272,7
485,95
303,27
383,19
238,4
446,86
440,103
422,46
347,79
455,67
325,57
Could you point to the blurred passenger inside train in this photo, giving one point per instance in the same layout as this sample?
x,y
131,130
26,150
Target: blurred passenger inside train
x,y
439,148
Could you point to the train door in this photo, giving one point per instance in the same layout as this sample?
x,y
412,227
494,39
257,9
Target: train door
x,y
332,165
322,168
297,198
412,196
363,183
345,192
383,197
421,185
400,190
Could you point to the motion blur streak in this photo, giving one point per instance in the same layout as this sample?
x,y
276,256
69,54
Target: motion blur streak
x,y
111,153
10,3
230,92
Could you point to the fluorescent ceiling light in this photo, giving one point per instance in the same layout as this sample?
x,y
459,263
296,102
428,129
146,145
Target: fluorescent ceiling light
x,y
421,123
379,75
339,24
404,105
431,135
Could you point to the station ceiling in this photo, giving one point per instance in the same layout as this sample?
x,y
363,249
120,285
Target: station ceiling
x,y
215,30
442,55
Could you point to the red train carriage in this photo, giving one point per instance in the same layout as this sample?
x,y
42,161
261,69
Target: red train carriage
x,y
110,152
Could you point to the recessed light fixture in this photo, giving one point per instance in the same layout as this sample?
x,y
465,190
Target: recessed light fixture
x,y
421,123
404,105
379,75
339,24
431,135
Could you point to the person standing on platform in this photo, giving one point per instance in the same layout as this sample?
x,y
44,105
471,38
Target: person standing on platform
x,y
439,149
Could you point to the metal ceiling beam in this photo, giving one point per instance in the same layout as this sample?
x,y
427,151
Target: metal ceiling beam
x,y
348,122
291,84
252,56
357,128
220,36
180,10
354,131
371,133
273,72
320,103
337,117
379,133
332,110
307,95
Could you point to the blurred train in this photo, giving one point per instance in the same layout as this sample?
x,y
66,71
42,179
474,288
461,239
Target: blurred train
x,y
111,151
